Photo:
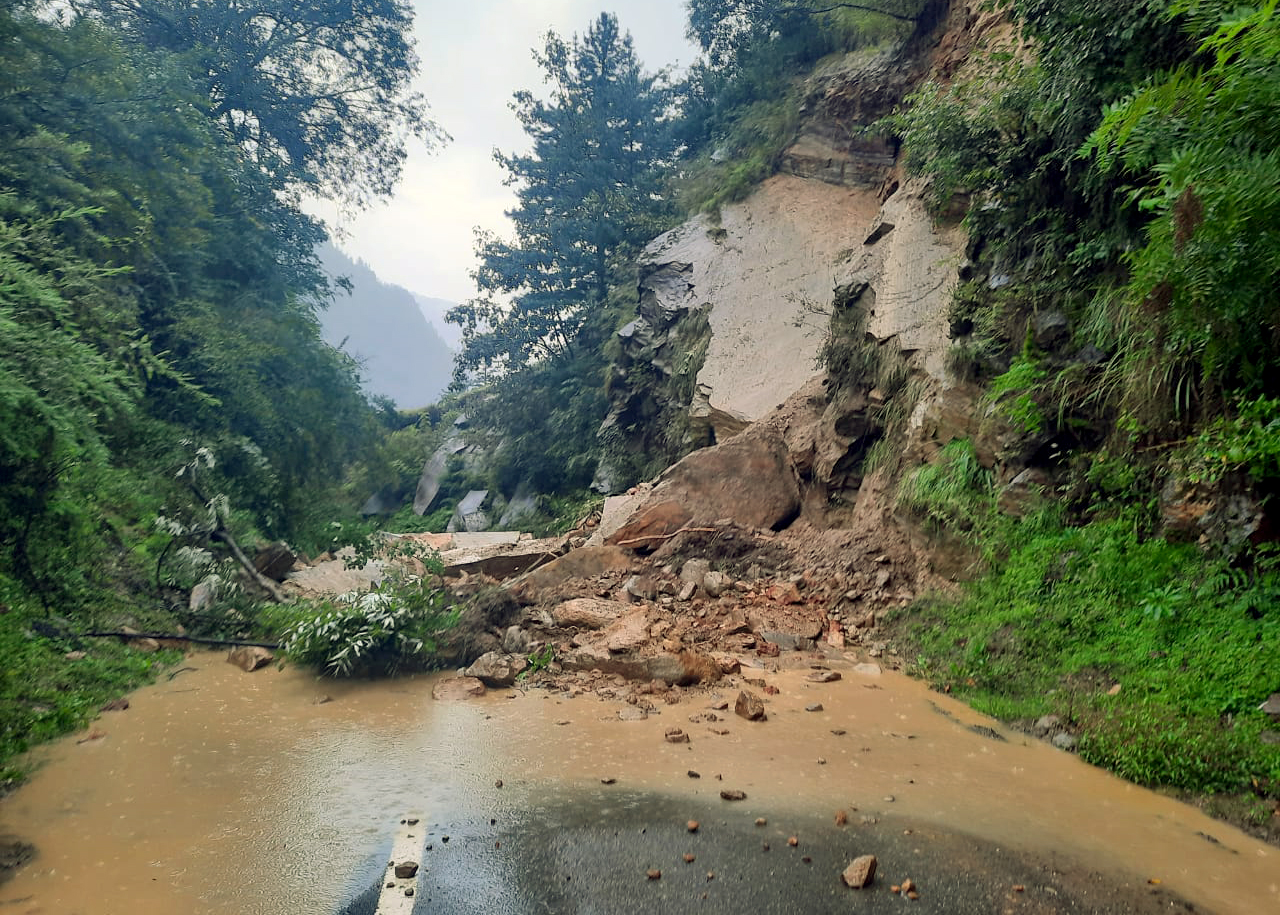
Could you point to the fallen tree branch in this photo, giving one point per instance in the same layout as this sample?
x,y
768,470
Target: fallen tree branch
x,y
683,530
261,580
177,638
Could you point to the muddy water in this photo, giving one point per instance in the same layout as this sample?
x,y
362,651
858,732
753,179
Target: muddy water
x,y
221,791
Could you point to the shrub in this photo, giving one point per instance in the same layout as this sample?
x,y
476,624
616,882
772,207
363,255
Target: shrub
x,y
377,633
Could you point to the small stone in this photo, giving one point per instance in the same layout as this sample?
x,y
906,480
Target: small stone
x,y
693,774
733,794
889,799
1019,888
408,891
116,705
391,884
908,885
675,735
842,817
761,821
793,841
913,895
815,707
609,781
406,869
766,846
498,783
76,655
689,858
824,676
412,821
653,874
1065,741
860,872
692,825
749,706
839,732
1115,690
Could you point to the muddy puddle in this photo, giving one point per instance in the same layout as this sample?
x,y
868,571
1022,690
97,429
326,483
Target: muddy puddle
x,y
225,792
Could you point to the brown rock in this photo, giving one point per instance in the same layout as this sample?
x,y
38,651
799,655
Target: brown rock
x,y
689,859
842,817
274,561
675,735
824,676
653,874
748,479
584,562
860,872
588,613
692,825
457,688
406,870
497,669
249,657
733,794
146,645
749,706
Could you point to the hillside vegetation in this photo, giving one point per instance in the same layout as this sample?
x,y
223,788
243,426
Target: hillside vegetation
x,y
165,393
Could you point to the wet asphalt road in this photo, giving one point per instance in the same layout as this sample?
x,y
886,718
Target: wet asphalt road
x,y
591,854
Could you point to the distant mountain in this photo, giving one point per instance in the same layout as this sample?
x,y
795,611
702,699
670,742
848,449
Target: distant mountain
x,y
435,309
382,327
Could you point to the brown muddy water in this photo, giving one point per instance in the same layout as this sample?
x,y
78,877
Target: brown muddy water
x,y
225,792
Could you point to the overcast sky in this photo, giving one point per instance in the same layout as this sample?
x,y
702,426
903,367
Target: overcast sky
x,y
475,54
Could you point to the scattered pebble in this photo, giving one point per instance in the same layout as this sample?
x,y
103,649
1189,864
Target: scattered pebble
x,y
689,858
693,774
761,821
815,707
692,825
498,783
733,794
793,841
842,817
653,874
609,781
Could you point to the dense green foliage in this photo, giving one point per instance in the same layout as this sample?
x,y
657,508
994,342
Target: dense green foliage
x,y
164,389
588,196
1123,176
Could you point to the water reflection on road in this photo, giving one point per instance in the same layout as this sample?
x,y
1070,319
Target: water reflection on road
x,y
221,791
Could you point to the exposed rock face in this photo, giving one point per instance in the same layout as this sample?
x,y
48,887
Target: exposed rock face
x,y
469,516
747,479
433,473
719,302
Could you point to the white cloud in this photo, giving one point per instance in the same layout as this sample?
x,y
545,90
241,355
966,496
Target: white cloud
x,y
475,54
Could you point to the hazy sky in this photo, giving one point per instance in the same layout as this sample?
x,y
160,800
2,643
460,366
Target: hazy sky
x,y
475,54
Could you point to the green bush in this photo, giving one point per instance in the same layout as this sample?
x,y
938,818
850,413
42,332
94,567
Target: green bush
x,y
376,633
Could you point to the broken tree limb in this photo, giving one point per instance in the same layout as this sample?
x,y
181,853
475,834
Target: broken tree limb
x,y
683,530
177,638
259,579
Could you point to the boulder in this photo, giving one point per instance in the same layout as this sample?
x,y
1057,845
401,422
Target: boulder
x,y
274,561
497,669
249,657
748,479
860,872
588,613
585,562
749,706
683,669
469,516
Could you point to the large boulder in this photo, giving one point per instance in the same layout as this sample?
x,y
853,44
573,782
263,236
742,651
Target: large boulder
x,y
497,669
748,479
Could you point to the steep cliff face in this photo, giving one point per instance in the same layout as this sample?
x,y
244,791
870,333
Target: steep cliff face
x,y
735,312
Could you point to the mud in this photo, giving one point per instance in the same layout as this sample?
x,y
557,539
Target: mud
x,y
230,792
